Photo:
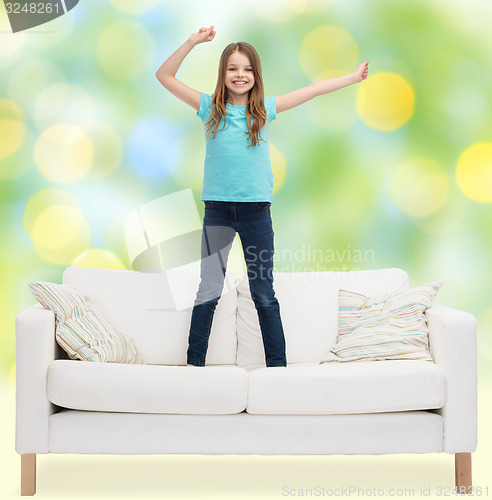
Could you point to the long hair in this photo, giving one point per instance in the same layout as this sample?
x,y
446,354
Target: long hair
x,y
256,104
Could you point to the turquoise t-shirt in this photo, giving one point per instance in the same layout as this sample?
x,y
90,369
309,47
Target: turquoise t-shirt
x,y
233,171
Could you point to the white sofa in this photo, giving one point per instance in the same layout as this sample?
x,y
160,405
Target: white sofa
x,y
235,404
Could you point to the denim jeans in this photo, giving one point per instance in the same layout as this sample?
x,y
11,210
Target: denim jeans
x,y
253,222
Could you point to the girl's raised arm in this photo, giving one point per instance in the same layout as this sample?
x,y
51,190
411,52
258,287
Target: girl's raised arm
x,y
300,96
166,73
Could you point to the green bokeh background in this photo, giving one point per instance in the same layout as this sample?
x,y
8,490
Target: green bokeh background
x,y
336,195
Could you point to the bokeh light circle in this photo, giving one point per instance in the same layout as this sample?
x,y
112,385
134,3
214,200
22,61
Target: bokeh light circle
x,y
132,7
187,170
108,150
449,218
385,101
11,43
98,258
419,187
474,172
41,75
309,6
125,50
63,102
54,222
328,51
151,147
334,114
278,11
64,153
57,226
54,34
12,131
275,11
279,167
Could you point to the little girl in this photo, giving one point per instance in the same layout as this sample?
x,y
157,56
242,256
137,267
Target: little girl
x,y
238,182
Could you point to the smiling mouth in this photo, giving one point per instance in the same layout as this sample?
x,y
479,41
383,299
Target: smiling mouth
x,y
239,83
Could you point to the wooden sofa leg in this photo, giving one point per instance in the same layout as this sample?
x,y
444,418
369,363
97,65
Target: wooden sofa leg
x,y
462,473
28,474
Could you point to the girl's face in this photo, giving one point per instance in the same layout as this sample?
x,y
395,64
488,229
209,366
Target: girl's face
x,y
239,77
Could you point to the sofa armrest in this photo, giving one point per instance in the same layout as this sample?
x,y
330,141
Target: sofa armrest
x,y
35,349
453,346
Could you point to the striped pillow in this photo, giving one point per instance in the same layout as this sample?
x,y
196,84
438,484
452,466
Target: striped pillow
x,y
383,327
82,329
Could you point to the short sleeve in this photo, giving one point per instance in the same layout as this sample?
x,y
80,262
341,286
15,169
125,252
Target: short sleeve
x,y
205,102
271,107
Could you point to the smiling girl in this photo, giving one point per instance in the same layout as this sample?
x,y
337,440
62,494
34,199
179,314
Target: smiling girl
x,y
238,182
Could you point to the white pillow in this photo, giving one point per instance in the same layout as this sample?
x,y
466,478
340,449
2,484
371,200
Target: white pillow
x,y
82,329
383,327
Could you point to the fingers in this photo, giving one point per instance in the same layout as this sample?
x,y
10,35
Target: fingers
x,y
208,32
203,29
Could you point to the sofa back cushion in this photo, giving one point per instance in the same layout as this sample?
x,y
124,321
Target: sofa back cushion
x,y
143,306
82,329
308,309
390,326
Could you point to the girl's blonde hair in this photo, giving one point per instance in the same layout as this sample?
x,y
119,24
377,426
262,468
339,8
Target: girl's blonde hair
x,y
256,104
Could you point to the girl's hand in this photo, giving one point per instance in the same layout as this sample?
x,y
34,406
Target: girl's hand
x,y
203,35
361,72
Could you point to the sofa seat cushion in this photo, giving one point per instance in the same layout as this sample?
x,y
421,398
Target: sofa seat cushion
x,y
121,387
339,388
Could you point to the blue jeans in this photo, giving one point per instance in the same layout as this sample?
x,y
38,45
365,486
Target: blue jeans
x,y
253,222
